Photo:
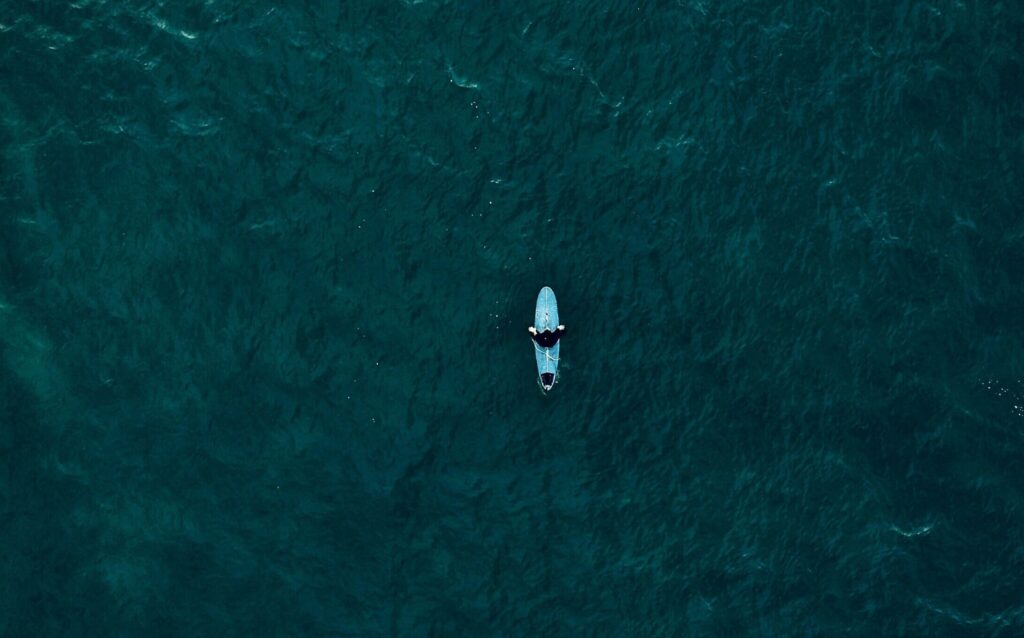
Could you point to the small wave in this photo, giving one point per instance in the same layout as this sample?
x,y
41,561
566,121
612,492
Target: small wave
x,y
199,126
988,620
461,81
917,531
164,26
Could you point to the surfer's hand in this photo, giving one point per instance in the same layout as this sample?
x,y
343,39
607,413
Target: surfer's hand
x,y
532,330
561,327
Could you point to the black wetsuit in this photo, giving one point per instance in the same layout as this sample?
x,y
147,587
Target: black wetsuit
x,y
547,338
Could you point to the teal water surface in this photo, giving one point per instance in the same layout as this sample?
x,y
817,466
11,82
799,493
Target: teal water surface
x,y
266,272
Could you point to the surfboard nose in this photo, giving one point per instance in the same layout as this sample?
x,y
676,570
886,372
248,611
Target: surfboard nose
x,y
547,380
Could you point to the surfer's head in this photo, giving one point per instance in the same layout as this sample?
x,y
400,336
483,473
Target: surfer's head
x,y
547,380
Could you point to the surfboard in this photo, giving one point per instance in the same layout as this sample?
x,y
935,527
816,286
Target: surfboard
x,y
546,318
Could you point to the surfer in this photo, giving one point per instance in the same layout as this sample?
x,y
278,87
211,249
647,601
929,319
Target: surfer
x,y
546,332
547,338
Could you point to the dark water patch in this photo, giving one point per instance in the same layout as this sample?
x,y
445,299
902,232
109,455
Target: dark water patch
x,y
266,272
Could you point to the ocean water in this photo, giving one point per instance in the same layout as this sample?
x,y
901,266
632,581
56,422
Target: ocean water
x,y
266,272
